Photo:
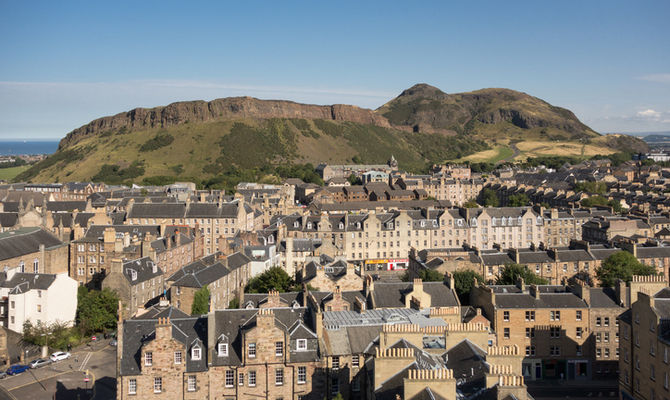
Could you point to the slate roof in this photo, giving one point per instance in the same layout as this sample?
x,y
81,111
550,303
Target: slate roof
x,y
144,269
201,272
546,300
603,298
391,295
137,332
25,241
8,219
66,205
24,282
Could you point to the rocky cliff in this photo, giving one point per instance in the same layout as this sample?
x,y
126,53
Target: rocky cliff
x,y
220,109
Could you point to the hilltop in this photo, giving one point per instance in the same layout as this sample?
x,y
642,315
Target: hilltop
x,y
202,140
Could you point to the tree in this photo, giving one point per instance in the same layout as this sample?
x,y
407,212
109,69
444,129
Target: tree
x,y
518,200
470,204
354,180
96,309
489,198
511,273
621,265
234,303
200,301
426,275
464,281
274,278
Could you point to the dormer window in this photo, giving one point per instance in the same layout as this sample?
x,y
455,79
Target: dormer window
x,y
502,221
389,225
423,223
459,222
493,221
301,344
519,221
473,222
133,274
296,224
434,222
196,353
341,225
223,350
358,225
309,225
539,220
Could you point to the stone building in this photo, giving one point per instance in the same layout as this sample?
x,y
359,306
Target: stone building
x,y
32,250
137,282
644,334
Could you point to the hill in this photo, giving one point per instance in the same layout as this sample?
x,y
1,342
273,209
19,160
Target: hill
x,y
250,138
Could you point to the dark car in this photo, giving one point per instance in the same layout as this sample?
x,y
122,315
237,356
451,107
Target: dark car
x,y
17,369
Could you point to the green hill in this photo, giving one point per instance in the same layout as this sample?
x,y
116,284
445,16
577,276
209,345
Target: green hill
x,y
250,138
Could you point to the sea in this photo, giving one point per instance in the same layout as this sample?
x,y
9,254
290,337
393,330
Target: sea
x,y
18,147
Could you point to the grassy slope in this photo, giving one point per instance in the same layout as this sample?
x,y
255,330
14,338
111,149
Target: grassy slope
x,y
204,150
8,174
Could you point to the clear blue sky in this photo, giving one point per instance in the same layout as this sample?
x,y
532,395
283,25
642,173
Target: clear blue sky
x,y
65,63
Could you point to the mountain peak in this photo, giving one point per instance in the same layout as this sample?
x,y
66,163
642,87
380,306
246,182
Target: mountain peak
x,y
423,90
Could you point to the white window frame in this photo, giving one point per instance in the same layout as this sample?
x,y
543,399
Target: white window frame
x,y
132,386
158,384
196,353
252,378
223,350
178,357
302,375
148,359
279,376
229,379
191,383
251,350
301,344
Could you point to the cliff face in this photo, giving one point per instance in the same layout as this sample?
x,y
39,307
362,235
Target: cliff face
x,y
227,108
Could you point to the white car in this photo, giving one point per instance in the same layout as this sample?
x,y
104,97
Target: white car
x,y
60,355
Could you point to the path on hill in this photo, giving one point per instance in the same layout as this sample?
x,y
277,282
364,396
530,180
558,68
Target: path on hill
x,y
510,158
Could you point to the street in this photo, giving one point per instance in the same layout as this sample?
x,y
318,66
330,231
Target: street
x,y
573,390
67,379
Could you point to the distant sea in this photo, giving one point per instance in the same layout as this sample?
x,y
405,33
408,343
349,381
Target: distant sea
x,y
12,148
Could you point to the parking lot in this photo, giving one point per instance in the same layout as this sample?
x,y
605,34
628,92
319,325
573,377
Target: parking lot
x,y
67,379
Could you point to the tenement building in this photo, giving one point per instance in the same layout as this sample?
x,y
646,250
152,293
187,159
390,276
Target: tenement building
x,y
645,342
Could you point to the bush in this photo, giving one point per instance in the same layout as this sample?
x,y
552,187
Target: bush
x,y
96,310
512,272
56,335
200,301
274,278
621,265
464,281
158,141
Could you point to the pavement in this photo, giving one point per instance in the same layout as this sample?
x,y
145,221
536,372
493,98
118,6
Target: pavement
x,y
67,379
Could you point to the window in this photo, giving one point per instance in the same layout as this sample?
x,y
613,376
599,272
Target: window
x,y
240,378
579,350
230,378
530,332
223,350
530,315
336,362
355,362
148,358
606,337
555,351
158,385
335,386
598,337
132,386
177,357
36,266
279,376
578,315
39,308
356,384
652,372
279,349
195,353
555,332
599,352
251,350
598,321
191,383
301,344
506,333
607,321
302,374
555,315
505,315
252,378
607,352
530,350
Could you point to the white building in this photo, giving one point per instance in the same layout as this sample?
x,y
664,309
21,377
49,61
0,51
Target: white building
x,y
45,298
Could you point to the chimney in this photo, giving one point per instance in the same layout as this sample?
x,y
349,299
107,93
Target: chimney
x,y
534,291
520,284
417,285
164,329
514,254
109,235
622,293
265,319
116,266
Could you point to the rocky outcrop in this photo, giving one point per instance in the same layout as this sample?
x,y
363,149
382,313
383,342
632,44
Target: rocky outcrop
x,y
220,109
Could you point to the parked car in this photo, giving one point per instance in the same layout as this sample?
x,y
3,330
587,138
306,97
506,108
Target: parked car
x,y
3,374
113,342
60,355
17,369
40,362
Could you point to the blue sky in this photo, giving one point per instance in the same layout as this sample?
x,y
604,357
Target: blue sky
x,y
66,63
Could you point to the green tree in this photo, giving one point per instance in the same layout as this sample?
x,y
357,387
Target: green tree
x,y
274,278
426,275
470,204
621,265
511,273
518,200
464,280
354,180
200,301
96,309
234,303
489,198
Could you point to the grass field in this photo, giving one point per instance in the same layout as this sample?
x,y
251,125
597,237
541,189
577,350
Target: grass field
x,y
534,148
9,173
494,155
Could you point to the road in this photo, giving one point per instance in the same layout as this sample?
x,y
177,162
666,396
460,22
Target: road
x,y
589,390
65,379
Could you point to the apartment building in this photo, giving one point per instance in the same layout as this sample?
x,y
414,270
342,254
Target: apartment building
x,y
139,283
32,250
645,341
